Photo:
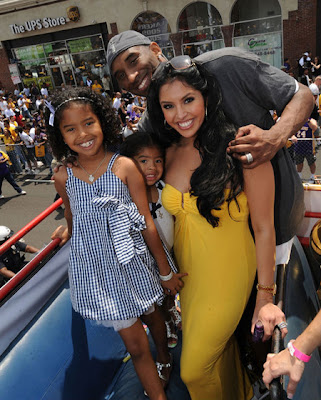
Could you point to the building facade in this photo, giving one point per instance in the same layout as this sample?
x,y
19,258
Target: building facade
x,y
62,42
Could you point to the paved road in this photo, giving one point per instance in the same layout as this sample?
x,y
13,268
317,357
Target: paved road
x,y
16,211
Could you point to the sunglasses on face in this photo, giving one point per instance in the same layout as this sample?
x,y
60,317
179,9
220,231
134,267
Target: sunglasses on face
x,y
178,63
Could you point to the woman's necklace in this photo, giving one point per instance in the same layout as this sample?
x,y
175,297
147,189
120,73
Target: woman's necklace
x,y
91,176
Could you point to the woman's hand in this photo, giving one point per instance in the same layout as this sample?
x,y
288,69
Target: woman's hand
x,y
62,233
283,364
269,314
174,285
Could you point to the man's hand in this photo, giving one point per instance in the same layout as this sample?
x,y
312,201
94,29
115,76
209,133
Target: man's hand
x,y
260,143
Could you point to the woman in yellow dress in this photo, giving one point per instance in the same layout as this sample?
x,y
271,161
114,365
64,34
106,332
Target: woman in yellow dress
x,y
211,198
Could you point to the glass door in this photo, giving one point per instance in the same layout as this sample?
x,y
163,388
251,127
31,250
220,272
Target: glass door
x,y
62,74
57,76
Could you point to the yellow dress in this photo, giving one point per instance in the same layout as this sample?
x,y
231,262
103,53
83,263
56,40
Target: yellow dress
x,y
221,266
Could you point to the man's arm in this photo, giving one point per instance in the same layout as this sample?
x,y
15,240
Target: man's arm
x,y
263,144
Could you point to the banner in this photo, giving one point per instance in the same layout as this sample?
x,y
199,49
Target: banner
x,y
14,73
267,46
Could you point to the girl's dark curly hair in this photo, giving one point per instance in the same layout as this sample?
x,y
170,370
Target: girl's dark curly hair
x,y
217,169
99,105
134,144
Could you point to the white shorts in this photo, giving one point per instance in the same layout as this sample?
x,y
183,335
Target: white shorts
x,y
123,324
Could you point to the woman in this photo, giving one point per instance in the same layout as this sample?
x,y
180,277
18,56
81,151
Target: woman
x,y
315,69
211,198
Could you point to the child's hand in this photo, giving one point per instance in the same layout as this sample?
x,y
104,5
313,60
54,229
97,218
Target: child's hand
x,y
62,233
174,285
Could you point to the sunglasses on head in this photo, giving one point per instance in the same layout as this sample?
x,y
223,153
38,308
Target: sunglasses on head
x,y
178,63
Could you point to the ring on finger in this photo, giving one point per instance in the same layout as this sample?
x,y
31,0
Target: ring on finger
x,y
249,157
282,325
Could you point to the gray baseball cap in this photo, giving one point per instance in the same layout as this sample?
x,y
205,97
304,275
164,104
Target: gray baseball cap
x,y
122,42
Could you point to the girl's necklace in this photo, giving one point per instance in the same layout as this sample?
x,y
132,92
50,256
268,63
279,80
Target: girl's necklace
x,y
91,176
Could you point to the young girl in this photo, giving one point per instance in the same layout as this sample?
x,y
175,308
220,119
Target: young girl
x,y
112,276
149,155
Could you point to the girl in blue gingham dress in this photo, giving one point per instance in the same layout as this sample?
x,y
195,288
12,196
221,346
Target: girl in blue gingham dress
x,y
113,279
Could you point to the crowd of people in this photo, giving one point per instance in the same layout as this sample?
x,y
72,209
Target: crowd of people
x,y
23,140
306,142
197,155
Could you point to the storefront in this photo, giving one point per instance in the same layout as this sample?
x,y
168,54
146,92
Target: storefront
x,y
258,29
200,24
62,58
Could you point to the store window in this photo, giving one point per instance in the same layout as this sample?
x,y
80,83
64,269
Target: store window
x,y
157,29
258,28
67,62
200,23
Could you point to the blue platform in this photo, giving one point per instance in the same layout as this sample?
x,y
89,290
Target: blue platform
x,y
48,352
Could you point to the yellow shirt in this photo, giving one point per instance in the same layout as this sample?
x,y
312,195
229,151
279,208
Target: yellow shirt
x,y
9,141
97,88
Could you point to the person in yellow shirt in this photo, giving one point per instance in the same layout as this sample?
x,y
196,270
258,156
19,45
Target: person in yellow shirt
x,y
10,140
96,87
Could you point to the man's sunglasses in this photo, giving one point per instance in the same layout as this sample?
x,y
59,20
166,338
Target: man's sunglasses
x,y
178,63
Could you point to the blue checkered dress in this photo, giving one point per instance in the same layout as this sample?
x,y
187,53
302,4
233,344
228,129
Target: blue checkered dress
x,y
112,274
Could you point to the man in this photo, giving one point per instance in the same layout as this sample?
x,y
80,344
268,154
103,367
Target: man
x,y
315,86
12,261
250,89
96,87
305,79
117,101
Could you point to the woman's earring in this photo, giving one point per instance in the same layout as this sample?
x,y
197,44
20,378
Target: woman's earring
x,y
168,127
205,112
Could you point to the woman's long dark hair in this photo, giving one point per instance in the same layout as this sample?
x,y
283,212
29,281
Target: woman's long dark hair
x,y
217,169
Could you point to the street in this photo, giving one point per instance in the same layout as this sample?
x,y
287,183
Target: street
x,y
17,210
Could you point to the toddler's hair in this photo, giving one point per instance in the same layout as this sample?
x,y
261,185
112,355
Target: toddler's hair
x,y
134,143
100,106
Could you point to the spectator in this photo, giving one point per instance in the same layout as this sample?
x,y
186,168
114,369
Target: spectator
x,y
12,261
10,141
44,91
315,69
305,149
106,84
96,87
315,86
117,101
29,143
305,79
122,112
6,174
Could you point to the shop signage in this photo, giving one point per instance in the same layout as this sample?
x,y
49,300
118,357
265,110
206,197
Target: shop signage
x,y
267,46
14,73
154,26
46,22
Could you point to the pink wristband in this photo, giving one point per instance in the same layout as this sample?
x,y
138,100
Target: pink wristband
x,y
297,353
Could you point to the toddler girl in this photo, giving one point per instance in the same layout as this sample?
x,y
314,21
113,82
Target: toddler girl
x,y
149,155
112,275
